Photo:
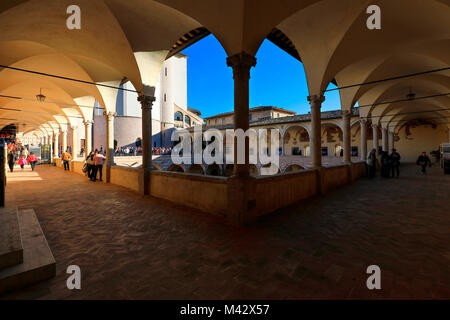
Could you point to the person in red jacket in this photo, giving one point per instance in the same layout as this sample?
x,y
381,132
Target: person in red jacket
x,y
32,160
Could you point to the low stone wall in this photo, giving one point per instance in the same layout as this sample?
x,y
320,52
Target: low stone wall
x,y
334,176
126,177
58,162
281,190
240,202
358,170
208,194
77,167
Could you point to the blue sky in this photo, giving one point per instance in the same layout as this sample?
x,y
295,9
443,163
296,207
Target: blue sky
x,y
277,80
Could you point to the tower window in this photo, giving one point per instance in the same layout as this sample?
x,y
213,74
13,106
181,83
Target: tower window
x,y
165,72
165,97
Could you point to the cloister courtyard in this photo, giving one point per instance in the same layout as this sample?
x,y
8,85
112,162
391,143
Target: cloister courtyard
x,y
134,247
105,97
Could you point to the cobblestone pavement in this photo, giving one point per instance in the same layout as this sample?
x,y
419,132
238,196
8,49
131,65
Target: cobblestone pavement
x,y
129,246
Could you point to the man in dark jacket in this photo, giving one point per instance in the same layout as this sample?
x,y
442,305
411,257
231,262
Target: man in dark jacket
x,y
424,161
395,163
11,160
371,163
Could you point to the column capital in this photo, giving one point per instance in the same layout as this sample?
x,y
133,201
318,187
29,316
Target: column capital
x,y
146,101
74,127
316,99
363,122
109,114
346,114
88,122
374,125
241,64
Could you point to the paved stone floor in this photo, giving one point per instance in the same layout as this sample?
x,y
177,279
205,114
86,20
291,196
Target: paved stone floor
x,y
129,246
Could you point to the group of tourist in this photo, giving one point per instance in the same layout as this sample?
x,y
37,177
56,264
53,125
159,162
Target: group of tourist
x,y
128,151
162,150
22,157
390,163
94,165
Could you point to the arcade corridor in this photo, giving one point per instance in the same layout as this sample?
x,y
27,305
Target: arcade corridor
x,y
129,246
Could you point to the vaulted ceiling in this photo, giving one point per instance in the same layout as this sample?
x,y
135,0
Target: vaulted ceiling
x,y
130,39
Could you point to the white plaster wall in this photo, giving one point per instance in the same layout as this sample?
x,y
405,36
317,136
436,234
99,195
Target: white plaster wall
x,y
422,138
173,86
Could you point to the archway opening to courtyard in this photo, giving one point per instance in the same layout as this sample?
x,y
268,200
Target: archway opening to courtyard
x,y
293,168
214,170
297,141
176,168
196,169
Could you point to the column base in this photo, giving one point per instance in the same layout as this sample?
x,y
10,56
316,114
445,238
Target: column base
x,y
144,181
241,208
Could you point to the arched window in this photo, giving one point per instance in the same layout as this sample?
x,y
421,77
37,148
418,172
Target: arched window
x,y
187,119
178,116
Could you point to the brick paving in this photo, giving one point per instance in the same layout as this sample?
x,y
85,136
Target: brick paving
x,y
134,247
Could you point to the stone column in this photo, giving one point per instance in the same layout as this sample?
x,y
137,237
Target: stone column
x,y
282,142
384,139
45,139
375,137
316,139
74,142
146,106
109,116
88,137
391,139
50,141
241,64
363,124
346,115
64,140
56,149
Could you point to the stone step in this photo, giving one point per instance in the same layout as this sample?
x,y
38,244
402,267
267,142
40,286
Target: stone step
x,y
11,251
38,261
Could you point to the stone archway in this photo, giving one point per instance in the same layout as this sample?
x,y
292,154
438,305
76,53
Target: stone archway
x,y
196,169
296,137
214,170
293,168
176,168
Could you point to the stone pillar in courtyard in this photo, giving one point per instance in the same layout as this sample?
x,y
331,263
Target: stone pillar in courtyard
x,y
240,194
241,64
375,136
74,142
391,139
56,147
88,136
384,139
363,124
346,115
64,140
316,128
146,106
109,117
